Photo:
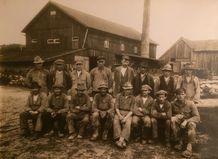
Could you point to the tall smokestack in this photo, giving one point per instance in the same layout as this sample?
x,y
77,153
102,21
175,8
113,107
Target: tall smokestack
x,y
145,30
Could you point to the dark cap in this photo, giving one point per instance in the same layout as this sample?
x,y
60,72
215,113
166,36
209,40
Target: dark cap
x,y
35,85
58,86
161,92
125,57
100,58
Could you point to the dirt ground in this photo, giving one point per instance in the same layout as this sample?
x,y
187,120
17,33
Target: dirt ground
x,y
12,101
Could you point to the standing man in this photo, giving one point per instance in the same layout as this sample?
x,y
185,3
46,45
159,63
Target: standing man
x,y
142,114
184,121
123,74
190,83
36,103
103,112
39,75
123,118
161,113
101,74
57,108
78,112
80,75
142,78
167,83
60,76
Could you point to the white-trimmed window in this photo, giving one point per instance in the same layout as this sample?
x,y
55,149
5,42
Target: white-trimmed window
x,y
75,42
52,13
106,44
53,41
34,41
122,47
135,49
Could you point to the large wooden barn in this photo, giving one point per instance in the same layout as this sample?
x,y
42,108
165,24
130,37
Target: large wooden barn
x,y
61,32
203,54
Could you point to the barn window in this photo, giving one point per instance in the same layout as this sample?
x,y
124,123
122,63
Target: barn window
x,y
53,13
135,49
106,44
53,41
34,41
75,42
122,47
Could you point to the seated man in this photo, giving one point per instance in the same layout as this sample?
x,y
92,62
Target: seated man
x,y
161,113
103,112
35,105
122,121
142,114
184,120
57,108
79,111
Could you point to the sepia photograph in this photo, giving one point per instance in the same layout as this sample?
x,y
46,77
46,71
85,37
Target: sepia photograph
x,y
108,79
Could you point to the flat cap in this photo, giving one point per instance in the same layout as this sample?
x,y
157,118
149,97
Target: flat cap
x,y
125,57
81,87
35,85
100,58
38,59
59,61
167,67
57,86
146,87
127,85
161,92
103,85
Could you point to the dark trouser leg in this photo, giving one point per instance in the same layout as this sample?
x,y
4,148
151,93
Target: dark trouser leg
x,y
83,124
61,121
167,130
135,126
47,121
154,128
24,117
71,122
96,124
146,133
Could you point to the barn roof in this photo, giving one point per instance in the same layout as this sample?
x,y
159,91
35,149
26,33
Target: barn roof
x,y
93,22
202,45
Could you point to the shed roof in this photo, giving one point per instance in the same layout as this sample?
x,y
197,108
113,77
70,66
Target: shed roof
x,y
94,22
202,45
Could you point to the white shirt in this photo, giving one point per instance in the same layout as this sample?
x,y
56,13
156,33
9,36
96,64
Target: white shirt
x,y
142,76
123,70
167,79
161,106
35,97
79,73
144,99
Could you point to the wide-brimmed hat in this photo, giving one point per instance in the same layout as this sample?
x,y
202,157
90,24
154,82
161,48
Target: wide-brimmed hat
x,y
79,61
59,61
57,86
35,85
103,85
100,58
80,87
188,67
38,59
146,87
127,85
125,57
167,67
161,92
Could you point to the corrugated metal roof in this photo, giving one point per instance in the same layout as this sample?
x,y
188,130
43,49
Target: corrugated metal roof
x,y
202,45
98,23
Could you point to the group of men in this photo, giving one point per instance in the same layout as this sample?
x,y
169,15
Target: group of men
x,y
130,103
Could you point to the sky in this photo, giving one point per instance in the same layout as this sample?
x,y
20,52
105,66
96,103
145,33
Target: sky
x,y
169,19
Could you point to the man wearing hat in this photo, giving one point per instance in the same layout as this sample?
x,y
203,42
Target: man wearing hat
x,y
183,122
35,105
123,74
142,78
57,108
101,74
142,114
102,112
123,117
80,75
190,83
78,112
166,82
59,76
161,113
38,74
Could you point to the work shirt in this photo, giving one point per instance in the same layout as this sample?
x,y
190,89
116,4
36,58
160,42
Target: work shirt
x,y
144,105
103,103
99,76
187,108
39,104
157,110
57,103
